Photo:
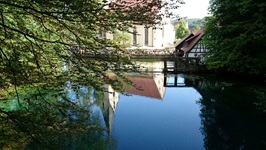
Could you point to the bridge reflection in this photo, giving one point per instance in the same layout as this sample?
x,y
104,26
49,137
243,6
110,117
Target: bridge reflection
x,y
177,80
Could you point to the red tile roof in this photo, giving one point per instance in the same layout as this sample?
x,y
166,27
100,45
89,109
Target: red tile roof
x,y
189,41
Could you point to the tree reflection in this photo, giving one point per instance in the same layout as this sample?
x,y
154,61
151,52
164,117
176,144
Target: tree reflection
x,y
233,116
51,117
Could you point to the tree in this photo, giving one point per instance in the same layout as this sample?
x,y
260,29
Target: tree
x,y
38,38
236,36
192,23
197,27
122,38
181,29
41,46
40,124
226,116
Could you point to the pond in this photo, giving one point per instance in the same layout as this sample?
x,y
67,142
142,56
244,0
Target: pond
x,y
167,111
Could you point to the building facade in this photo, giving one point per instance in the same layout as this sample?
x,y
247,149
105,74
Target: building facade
x,y
160,37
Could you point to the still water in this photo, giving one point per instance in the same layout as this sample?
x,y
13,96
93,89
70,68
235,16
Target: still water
x,y
168,122
190,113
165,112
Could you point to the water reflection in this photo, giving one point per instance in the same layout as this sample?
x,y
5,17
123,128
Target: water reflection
x,y
164,111
52,117
166,121
109,105
231,118
232,115
177,80
148,86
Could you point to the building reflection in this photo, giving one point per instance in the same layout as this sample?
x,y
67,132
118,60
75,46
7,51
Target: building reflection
x,y
147,86
152,85
229,121
109,104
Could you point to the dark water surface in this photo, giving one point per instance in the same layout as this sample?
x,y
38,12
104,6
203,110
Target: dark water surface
x,y
169,112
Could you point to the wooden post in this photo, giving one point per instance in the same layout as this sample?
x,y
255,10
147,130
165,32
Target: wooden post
x,y
165,65
175,66
175,84
164,80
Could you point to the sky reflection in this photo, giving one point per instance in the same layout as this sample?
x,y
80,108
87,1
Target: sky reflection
x,y
173,122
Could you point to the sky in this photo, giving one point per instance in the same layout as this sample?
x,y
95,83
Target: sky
x,y
193,9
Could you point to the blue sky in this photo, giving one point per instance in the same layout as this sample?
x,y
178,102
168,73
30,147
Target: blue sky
x,y
193,9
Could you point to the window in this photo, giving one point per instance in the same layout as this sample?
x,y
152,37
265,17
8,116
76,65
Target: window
x,y
146,43
102,34
114,35
135,36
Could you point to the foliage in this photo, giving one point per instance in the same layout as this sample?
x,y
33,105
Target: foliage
x,y
38,38
196,27
236,36
181,29
193,23
232,121
122,38
48,115
176,41
42,43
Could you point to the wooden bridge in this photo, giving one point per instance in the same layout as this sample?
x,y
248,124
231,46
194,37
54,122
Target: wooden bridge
x,y
183,64
185,56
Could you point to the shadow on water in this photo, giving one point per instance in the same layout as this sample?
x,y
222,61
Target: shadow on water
x,y
233,115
